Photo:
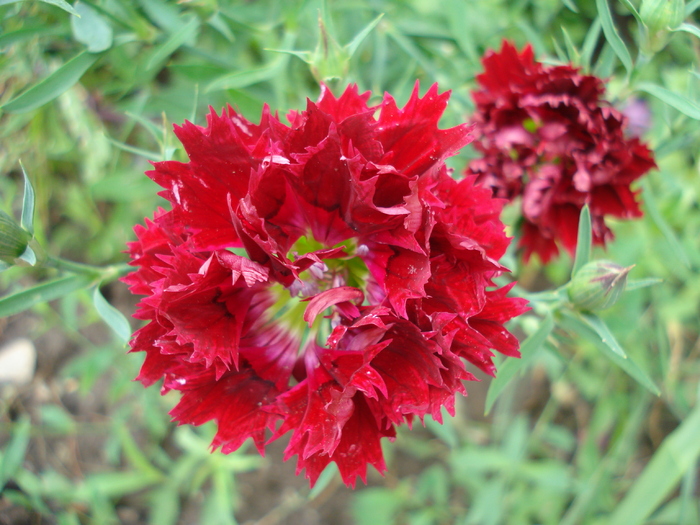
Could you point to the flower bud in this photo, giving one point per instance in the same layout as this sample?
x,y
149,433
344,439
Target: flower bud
x,y
13,239
659,17
598,285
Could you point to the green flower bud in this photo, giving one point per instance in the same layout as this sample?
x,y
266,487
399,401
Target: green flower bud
x,y
598,285
659,17
13,239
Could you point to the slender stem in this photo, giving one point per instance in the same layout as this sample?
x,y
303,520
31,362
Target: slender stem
x,y
106,273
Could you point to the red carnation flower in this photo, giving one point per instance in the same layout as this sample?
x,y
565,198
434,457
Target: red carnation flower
x,y
326,278
546,136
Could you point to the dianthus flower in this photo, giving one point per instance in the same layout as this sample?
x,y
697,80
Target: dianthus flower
x,y
546,135
327,278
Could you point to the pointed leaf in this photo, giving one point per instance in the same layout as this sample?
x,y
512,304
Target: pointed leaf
x,y
529,349
574,323
52,86
676,247
110,315
91,29
173,42
635,284
329,474
58,3
13,457
634,11
359,37
589,43
27,221
689,28
606,336
612,36
680,102
29,256
48,291
583,241
678,454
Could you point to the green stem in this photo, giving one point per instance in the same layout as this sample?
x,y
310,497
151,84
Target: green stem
x,y
106,273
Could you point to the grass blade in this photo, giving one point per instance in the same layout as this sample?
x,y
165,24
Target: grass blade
x,y
677,454
612,35
583,241
510,367
52,86
20,301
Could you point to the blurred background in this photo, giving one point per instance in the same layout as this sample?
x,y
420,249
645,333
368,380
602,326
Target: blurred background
x,y
88,95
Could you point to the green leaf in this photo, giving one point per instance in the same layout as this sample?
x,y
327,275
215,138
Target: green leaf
x,y
678,453
606,336
589,43
359,37
20,301
583,241
13,456
110,315
29,256
91,29
571,5
680,102
27,221
612,36
635,284
174,41
241,79
58,3
529,349
328,474
574,323
634,11
650,204
691,7
63,5
688,28
52,86
27,33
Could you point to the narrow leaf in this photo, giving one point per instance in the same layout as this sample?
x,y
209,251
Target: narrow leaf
x,y
241,79
691,7
52,86
29,256
63,5
612,35
328,474
571,5
359,37
589,43
91,29
110,315
676,247
583,241
689,28
13,457
574,323
529,349
20,301
606,336
678,453
635,284
173,42
634,11
680,102
27,221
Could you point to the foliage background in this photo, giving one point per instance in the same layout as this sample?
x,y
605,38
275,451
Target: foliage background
x,y
572,438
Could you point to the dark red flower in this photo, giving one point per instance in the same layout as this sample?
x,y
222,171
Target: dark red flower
x,y
326,278
547,136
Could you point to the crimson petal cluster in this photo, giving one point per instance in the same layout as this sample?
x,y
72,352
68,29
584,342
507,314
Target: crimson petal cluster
x,y
326,278
546,135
